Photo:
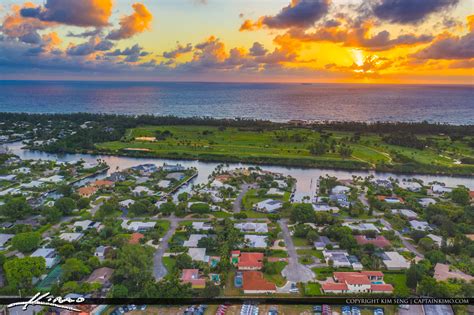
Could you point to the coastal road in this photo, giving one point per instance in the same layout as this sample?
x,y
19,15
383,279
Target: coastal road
x,y
159,269
294,271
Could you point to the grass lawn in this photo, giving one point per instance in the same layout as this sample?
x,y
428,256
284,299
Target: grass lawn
x,y
312,289
290,146
300,241
255,215
312,252
276,278
398,280
169,263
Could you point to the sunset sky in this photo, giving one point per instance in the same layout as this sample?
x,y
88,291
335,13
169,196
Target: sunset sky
x,y
374,41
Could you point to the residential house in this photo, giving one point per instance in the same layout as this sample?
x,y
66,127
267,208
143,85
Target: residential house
x,y
256,241
103,184
357,282
4,239
101,276
201,226
394,261
49,255
173,168
126,203
192,276
420,225
437,239
252,227
135,238
138,226
323,242
275,192
164,183
194,240
379,241
339,189
101,252
87,224
253,282
175,176
268,205
390,199
425,202
198,254
361,226
71,237
87,191
341,259
440,189
322,206
52,179
407,213
383,183
142,191
247,261
411,186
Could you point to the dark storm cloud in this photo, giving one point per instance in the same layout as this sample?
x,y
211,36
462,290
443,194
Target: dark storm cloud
x,y
409,11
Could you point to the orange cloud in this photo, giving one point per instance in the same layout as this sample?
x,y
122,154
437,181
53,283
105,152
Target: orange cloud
x,y
138,22
72,12
249,25
15,25
470,22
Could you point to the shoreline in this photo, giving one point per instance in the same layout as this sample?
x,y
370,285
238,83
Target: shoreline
x,y
257,162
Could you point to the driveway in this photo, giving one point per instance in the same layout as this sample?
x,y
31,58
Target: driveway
x,y
294,271
237,206
159,269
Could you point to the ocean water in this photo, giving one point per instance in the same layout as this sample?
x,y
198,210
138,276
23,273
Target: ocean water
x,y
277,102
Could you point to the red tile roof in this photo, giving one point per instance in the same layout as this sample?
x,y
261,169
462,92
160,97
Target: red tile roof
x,y
86,191
254,260
382,288
192,276
103,183
334,286
351,277
135,238
254,281
379,241
372,273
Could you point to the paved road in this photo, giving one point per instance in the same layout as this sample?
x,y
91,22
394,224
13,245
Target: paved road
x,y
405,242
159,269
237,206
294,271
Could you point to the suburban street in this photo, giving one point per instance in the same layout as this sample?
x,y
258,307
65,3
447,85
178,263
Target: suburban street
x,y
159,269
237,206
294,271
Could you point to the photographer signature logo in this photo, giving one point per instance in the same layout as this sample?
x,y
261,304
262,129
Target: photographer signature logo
x,y
46,299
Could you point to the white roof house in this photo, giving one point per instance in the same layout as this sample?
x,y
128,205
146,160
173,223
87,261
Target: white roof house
x,y
361,226
281,183
268,205
320,206
411,186
138,225
406,213
87,224
193,240
339,189
22,170
71,237
338,257
198,254
201,226
32,184
4,238
420,225
52,179
49,255
425,202
394,261
126,203
10,191
275,191
440,189
437,239
256,241
252,227
164,183
7,177
142,190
